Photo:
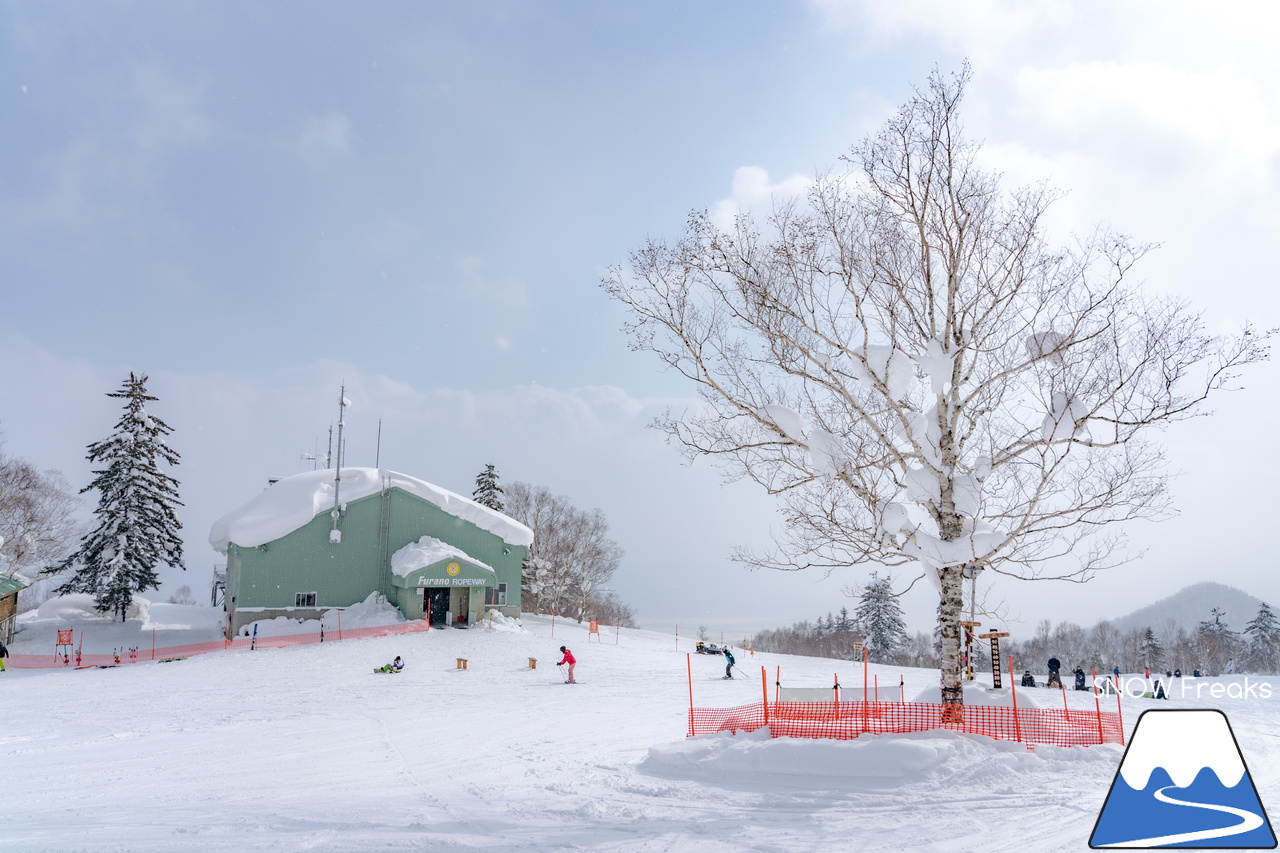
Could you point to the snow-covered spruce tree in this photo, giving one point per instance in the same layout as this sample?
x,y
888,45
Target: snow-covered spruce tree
x,y
918,374
1263,634
1150,650
136,526
488,491
880,617
1215,643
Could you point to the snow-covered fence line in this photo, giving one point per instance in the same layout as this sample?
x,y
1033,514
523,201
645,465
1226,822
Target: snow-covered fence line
x,y
153,653
846,720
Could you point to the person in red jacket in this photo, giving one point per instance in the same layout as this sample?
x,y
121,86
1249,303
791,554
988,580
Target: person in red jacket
x,y
569,659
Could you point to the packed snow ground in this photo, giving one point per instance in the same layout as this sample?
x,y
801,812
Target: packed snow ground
x,y
306,748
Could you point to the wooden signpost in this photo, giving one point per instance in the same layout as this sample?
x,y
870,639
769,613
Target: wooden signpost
x,y
994,637
968,648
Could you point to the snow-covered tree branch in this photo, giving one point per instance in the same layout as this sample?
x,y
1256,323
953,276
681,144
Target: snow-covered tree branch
x,y
919,374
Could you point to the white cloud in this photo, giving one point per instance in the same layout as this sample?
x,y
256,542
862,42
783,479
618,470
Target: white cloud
x,y
980,29
754,192
324,136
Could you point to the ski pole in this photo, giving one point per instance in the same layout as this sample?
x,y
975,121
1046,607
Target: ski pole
x,y
562,675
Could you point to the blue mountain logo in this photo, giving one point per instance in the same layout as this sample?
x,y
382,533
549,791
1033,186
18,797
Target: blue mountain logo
x,y
1183,783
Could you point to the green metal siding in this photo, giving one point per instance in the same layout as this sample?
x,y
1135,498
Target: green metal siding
x,y
345,573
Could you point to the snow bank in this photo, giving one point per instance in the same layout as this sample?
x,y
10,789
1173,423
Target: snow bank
x,y
374,612
293,501
868,763
978,694
80,607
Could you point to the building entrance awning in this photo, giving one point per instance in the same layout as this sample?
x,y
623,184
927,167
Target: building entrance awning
x,y
447,573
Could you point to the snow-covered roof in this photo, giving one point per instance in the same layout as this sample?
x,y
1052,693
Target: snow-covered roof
x,y
428,551
292,502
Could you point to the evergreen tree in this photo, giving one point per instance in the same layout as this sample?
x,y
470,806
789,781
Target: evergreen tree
x,y
880,616
1151,650
1264,639
137,526
488,492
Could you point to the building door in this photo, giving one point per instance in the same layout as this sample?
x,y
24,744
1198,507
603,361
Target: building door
x,y
435,601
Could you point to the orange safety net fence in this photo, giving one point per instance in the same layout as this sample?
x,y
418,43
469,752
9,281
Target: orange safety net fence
x,y
148,653
847,720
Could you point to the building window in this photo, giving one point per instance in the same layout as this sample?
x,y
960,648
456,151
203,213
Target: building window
x,y
495,597
304,599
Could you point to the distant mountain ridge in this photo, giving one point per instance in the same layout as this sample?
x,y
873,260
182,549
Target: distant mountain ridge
x,y
1190,606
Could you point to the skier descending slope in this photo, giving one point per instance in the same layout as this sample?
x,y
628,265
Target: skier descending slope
x,y
728,657
569,659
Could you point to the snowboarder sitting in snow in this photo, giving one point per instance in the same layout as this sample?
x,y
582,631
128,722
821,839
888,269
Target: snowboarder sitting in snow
x,y
728,666
395,666
1027,679
569,659
1080,679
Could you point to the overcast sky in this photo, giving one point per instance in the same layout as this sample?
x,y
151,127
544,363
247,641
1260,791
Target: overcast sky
x,y
253,203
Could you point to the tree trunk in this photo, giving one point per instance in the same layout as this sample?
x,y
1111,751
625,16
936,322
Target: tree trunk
x,y
950,608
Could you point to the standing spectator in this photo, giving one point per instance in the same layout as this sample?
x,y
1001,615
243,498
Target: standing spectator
x,y
4,653
569,659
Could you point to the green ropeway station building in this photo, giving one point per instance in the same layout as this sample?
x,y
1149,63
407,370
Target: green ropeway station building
x,y
329,538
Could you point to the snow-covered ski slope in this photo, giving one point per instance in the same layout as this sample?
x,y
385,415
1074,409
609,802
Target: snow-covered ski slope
x,y
306,749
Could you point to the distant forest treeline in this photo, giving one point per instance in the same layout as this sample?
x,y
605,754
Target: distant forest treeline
x,y
1210,646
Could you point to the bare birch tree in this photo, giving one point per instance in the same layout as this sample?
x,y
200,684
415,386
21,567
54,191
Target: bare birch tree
x,y
906,361
38,522
571,557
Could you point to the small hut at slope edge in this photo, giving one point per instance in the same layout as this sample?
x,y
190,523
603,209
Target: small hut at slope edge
x,y
296,550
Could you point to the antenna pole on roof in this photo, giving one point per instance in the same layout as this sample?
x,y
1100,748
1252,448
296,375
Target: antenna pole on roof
x,y
377,457
328,457
335,535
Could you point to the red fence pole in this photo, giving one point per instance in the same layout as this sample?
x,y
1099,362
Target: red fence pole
x,y
764,688
688,664
1120,714
153,643
1065,709
864,674
1013,691
1097,707
340,622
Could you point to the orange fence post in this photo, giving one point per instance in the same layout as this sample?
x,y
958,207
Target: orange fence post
x,y
1013,691
864,674
1097,706
1120,714
153,643
340,622
1065,709
764,688
688,663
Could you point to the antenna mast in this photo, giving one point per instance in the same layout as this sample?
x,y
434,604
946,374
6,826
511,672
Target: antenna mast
x,y
335,535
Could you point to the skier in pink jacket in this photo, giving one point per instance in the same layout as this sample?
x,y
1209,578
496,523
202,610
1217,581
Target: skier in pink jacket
x,y
569,659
